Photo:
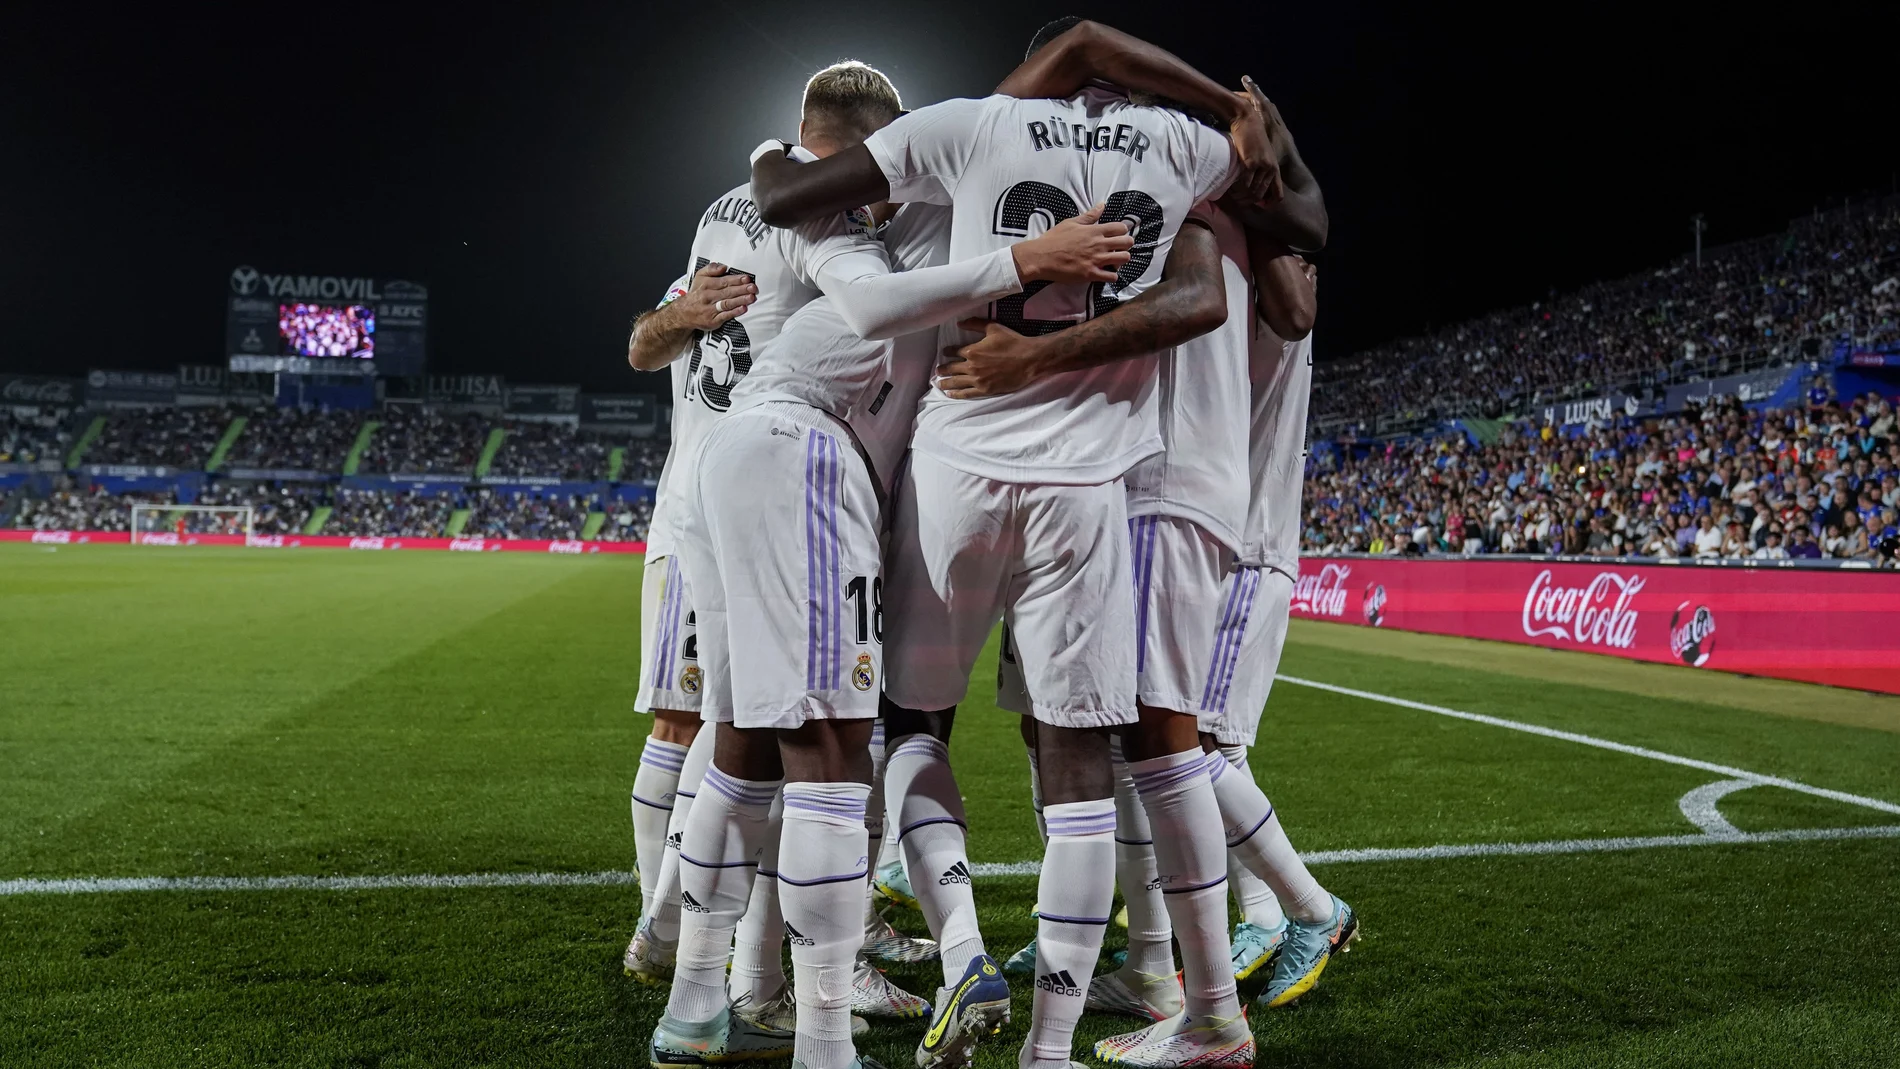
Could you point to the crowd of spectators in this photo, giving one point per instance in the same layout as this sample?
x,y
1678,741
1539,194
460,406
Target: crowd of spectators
x,y
275,510
627,521
550,450
70,508
418,441
390,514
295,439
1756,304
1822,481
512,514
644,458
35,437
181,438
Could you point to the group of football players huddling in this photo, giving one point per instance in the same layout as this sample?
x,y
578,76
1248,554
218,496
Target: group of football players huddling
x,y
1039,359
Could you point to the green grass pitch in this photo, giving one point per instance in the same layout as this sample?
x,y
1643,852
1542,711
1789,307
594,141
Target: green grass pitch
x,y
244,713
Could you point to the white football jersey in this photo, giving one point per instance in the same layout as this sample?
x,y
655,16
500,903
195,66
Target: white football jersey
x,y
1282,373
1011,169
1204,401
785,265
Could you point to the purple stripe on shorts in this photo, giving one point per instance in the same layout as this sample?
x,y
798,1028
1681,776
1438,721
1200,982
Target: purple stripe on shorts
x,y
1141,542
835,589
1240,635
812,621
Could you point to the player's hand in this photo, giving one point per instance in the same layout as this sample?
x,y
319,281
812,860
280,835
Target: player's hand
x,y
1001,361
1075,250
715,297
1259,143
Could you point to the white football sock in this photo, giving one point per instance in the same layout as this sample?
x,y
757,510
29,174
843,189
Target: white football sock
x,y
1073,900
1150,934
822,867
1255,837
662,913
718,859
1251,893
1191,858
653,786
758,958
931,831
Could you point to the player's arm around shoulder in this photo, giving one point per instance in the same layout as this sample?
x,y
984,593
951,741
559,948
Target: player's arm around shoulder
x,y
1190,300
1286,289
703,302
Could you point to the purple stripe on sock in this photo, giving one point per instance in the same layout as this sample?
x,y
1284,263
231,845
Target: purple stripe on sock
x,y
740,790
829,808
1216,766
1081,827
665,762
859,875
653,805
908,828
1157,780
1255,830
1195,887
1071,920
1134,842
921,746
718,864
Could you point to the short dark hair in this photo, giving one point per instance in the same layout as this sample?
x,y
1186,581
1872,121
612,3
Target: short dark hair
x,y
1050,32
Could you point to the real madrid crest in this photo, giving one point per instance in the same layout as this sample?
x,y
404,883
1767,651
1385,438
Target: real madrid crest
x,y
689,679
863,676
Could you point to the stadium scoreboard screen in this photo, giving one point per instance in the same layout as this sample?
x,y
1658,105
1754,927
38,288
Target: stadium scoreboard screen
x,y
325,324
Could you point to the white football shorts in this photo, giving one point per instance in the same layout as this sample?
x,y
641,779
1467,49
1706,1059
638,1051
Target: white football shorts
x,y
1263,597
669,655
1051,561
780,544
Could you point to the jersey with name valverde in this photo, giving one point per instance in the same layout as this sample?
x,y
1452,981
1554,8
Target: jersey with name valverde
x,y
1011,169
786,265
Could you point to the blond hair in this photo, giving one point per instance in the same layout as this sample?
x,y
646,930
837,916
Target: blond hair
x,y
850,99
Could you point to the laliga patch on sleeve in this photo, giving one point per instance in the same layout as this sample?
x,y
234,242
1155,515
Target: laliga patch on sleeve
x,y
672,295
859,221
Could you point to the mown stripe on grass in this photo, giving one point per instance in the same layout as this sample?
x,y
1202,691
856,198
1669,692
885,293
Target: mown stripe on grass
x,y
984,870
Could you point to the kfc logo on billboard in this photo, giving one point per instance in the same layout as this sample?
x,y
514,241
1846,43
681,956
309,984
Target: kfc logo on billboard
x,y
1693,640
1323,594
1597,614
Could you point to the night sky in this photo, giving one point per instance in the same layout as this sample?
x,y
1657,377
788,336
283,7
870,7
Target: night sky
x,y
541,171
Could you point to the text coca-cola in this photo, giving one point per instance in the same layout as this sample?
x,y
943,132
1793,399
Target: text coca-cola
x,y
1597,614
1323,594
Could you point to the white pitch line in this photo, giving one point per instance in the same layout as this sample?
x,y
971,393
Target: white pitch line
x,y
981,870
1702,805
1754,778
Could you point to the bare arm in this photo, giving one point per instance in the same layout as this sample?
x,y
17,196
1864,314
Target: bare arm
x,y
1284,291
1091,51
1299,219
788,192
1189,301
660,335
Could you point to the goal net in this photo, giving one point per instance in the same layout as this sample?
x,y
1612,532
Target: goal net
x,y
178,520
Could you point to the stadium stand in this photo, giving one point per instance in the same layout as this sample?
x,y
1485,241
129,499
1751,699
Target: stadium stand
x,y
160,437
627,521
1766,302
276,510
413,441
545,450
295,439
34,438
385,513
1718,481
514,514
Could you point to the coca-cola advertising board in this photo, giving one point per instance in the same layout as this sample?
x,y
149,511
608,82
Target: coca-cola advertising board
x,y
303,541
1839,626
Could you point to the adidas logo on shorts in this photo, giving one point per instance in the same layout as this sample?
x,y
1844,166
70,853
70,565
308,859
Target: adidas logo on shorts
x,y
691,904
1059,983
797,938
957,873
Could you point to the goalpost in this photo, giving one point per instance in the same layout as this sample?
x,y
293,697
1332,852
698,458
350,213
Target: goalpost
x,y
189,520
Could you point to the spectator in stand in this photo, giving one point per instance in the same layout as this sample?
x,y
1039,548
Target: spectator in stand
x,y
420,441
383,514
553,451
507,514
35,437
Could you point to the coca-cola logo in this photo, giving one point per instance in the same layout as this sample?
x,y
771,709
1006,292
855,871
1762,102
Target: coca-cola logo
x,y
1693,639
167,538
1323,594
366,543
37,392
1374,606
53,538
566,547
264,541
1595,614
466,545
